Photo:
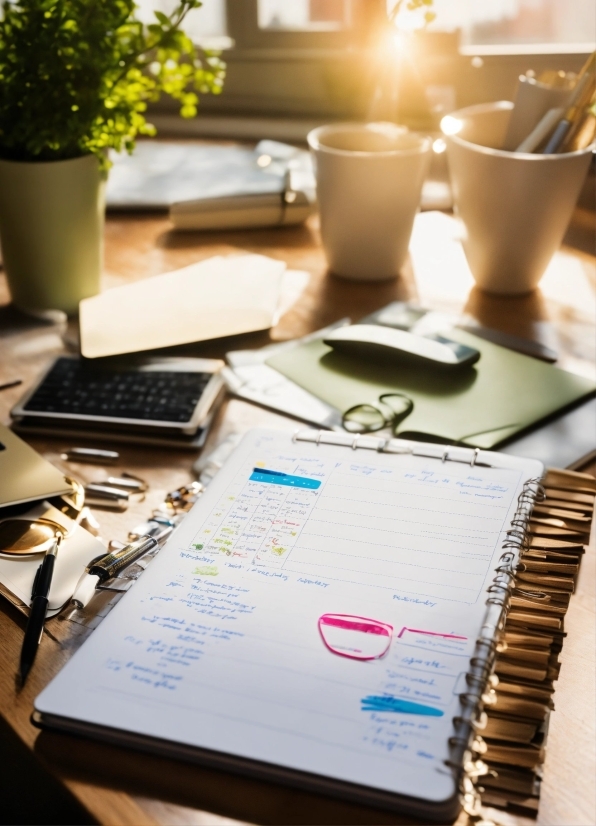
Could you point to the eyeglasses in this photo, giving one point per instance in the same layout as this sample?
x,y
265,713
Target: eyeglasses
x,y
27,537
390,410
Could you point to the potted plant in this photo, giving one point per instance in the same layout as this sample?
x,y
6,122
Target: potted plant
x,y
75,80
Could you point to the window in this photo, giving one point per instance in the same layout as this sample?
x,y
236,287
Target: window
x,y
312,60
205,25
520,23
301,24
304,15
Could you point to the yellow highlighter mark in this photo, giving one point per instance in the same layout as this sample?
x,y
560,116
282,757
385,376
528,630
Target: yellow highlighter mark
x,y
206,570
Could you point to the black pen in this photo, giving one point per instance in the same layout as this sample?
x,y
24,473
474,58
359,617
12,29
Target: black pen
x,y
39,608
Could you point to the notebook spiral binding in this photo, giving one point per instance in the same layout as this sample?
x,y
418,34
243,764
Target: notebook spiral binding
x,y
445,453
466,746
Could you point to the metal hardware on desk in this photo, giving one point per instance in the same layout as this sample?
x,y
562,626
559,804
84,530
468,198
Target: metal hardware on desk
x,y
128,483
93,456
108,566
155,527
102,491
105,496
146,539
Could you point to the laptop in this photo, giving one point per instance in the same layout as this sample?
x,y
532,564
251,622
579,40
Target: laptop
x,y
24,475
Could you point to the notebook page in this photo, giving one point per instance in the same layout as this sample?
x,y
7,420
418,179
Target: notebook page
x,y
316,610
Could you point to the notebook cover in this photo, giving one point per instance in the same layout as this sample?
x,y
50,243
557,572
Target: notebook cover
x,y
161,173
502,395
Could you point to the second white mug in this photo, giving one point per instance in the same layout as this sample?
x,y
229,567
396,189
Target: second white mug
x,y
369,183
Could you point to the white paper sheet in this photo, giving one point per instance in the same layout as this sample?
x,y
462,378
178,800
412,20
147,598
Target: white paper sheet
x,y
248,377
223,645
76,551
221,296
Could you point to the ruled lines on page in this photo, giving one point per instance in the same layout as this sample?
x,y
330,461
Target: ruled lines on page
x,y
422,528
315,610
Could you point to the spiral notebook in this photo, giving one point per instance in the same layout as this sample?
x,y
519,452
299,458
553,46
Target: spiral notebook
x,y
326,616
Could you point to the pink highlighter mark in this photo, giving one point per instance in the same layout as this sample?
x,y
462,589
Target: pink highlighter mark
x,y
430,634
358,638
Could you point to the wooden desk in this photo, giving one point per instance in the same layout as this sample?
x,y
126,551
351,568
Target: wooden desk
x,y
118,786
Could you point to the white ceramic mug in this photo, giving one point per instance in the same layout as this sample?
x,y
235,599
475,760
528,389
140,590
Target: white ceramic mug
x,y
369,182
515,206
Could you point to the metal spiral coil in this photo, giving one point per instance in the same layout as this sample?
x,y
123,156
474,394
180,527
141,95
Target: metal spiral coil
x,y
466,746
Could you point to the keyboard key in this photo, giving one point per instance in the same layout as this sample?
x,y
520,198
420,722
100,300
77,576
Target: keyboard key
x,y
72,387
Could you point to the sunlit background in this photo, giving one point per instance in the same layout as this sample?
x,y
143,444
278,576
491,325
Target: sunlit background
x,y
505,22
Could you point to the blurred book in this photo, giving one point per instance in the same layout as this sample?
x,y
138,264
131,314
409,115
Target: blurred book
x,y
215,187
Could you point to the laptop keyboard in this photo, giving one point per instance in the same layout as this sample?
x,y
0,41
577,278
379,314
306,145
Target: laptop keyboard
x,y
75,388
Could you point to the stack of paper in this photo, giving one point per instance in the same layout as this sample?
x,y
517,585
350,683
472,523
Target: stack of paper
x,y
221,296
249,377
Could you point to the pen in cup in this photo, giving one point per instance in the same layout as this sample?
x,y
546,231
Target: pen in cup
x,y
583,131
582,94
541,131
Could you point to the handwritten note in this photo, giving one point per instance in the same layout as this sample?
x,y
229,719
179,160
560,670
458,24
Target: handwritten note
x,y
219,646
423,531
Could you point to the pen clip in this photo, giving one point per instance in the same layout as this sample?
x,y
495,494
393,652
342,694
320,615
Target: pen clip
x,y
36,580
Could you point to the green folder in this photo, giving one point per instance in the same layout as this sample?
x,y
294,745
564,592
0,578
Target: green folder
x,y
501,395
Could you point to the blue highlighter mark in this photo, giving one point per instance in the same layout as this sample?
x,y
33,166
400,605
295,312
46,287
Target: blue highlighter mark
x,y
388,703
275,477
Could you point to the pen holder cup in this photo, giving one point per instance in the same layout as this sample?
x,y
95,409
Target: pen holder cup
x,y
515,206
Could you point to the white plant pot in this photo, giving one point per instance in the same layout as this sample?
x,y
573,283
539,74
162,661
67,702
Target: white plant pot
x,y
51,231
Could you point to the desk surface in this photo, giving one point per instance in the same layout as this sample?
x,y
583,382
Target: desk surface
x,y
119,786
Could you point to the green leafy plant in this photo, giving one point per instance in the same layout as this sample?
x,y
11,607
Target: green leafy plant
x,y
76,75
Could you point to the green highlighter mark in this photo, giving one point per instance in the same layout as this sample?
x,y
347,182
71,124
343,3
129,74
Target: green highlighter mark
x,y
206,570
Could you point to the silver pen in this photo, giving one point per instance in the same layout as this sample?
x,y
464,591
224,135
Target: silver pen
x,y
105,567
